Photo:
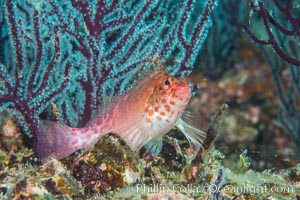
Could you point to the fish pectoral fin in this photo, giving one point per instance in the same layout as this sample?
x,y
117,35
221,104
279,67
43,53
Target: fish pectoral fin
x,y
154,146
189,125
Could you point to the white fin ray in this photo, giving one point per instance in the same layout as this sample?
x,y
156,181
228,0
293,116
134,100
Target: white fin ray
x,y
189,125
130,127
133,136
154,146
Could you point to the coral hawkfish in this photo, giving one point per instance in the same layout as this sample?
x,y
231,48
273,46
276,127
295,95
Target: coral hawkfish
x,y
141,117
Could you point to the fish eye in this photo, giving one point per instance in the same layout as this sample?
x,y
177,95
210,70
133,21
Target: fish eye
x,y
167,82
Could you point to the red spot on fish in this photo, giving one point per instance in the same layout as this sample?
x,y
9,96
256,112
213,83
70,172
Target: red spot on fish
x,y
88,136
167,107
158,118
74,133
148,121
162,113
172,102
75,141
84,129
151,112
94,129
156,108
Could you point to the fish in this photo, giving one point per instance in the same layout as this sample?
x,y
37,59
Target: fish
x,y
142,116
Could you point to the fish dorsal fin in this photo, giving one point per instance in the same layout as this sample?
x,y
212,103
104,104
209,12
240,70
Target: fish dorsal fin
x,y
107,100
154,146
189,125
149,69
106,103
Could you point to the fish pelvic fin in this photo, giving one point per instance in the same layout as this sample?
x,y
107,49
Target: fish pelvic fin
x,y
154,146
55,140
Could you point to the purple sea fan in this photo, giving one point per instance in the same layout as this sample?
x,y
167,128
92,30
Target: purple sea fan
x,y
114,38
32,71
97,46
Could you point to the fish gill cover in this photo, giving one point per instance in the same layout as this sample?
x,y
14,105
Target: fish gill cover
x,y
62,55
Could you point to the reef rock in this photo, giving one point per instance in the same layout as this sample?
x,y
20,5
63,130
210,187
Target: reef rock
x,y
109,165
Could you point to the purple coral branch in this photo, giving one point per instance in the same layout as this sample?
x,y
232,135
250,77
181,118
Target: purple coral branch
x,y
50,66
130,31
267,19
59,89
21,106
96,26
204,17
17,43
102,10
253,37
125,32
29,101
38,52
83,48
135,44
190,46
182,26
286,11
5,79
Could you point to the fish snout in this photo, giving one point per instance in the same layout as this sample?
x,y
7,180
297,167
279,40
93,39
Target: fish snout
x,y
184,91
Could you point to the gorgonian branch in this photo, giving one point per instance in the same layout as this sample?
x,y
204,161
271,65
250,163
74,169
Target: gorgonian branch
x,y
285,22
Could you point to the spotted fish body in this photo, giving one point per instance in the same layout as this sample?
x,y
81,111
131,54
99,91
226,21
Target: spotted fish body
x,y
141,117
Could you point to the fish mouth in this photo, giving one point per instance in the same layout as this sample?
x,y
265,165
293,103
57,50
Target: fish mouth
x,y
184,91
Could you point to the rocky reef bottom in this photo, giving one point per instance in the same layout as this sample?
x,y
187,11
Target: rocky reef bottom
x,y
111,170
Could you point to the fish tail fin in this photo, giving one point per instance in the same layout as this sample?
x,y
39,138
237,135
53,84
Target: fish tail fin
x,y
58,141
